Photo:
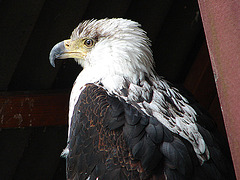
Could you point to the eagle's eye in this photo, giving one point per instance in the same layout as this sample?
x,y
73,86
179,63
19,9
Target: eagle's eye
x,y
88,42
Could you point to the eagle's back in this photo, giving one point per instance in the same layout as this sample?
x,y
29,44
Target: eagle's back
x,y
111,139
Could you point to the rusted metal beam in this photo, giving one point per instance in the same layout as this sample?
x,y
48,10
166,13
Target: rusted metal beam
x,y
222,28
33,109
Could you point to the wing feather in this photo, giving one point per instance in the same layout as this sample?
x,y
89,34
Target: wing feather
x,y
111,139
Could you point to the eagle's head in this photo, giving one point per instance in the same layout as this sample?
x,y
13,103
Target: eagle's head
x,y
108,47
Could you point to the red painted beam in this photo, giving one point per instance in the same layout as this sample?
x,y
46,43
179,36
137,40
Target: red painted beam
x,y
221,21
33,109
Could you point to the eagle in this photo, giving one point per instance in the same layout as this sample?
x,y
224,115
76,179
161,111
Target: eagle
x,y
125,121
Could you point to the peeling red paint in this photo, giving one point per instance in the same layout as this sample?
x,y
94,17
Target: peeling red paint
x,y
221,21
35,109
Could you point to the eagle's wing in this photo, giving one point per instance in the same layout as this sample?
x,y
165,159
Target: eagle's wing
x,y
96,151
110,139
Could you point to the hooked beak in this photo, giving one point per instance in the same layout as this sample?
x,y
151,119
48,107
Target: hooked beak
x,y
57,52
68,49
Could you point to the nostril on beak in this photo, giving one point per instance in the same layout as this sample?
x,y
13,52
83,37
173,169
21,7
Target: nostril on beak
x,y
67,43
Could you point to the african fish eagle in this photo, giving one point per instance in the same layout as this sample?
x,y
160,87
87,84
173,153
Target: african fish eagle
x,y
126,122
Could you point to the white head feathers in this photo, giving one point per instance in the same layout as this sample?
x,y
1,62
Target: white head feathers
x,y
121,46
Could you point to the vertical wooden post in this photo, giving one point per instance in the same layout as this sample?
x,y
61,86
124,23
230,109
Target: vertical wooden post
x,y
221,21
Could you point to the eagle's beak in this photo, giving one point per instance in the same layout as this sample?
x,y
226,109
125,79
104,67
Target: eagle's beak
x,y
57,52
68,49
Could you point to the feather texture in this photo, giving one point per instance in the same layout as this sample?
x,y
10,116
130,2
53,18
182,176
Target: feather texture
x,y
126,122
111,139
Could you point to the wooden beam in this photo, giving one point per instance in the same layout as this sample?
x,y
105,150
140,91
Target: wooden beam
x,y
33,109
221,24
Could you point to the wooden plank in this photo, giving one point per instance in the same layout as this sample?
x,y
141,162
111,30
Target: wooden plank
x,y
17,19
221,25
33,109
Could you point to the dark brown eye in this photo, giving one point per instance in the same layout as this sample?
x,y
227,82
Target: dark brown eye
x,y
88,42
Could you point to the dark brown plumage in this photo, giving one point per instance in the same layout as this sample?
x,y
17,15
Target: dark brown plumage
x,y
98,143
126,122
110,139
